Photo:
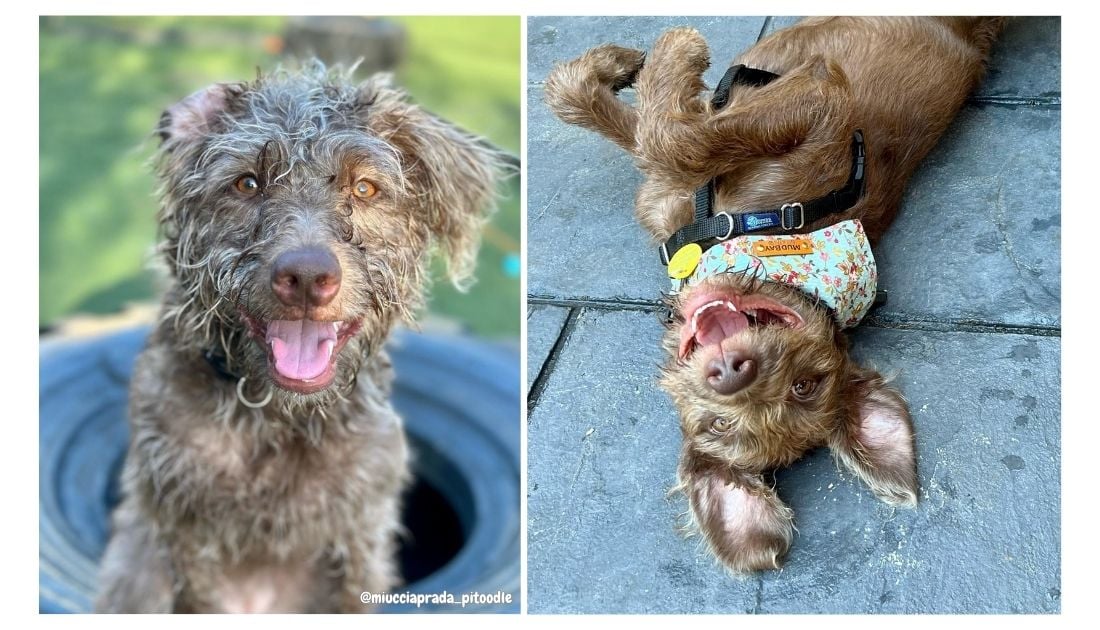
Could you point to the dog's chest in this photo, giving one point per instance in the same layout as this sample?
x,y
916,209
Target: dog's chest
x,y
265,490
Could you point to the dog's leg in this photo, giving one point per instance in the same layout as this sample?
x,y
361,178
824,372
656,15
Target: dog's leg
x,y
741,518
136,572
368,566
670,108
670,83
876,441
583,92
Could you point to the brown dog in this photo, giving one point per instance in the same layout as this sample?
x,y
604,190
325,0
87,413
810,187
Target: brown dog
x,y
266,462
760,371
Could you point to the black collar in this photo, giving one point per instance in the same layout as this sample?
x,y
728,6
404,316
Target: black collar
x,y
219,365
790,217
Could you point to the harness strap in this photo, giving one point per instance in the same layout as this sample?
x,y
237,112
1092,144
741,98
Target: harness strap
x,y
735,75
789,217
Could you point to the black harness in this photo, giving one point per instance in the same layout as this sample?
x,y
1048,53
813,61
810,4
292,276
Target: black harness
x,y
790,217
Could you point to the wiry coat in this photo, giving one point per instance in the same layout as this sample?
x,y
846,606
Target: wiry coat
x,y
293,506
900,81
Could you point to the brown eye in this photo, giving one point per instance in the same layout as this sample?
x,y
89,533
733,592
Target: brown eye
x,y
720,425
804,388
364,189
247,185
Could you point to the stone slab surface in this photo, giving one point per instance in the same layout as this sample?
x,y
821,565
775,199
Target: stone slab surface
x,y
979,232
603,445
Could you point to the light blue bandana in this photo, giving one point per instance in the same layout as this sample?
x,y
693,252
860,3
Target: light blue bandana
x,y
833,265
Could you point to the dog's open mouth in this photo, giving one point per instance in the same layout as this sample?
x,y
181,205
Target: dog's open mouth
x,y
714,316
302,353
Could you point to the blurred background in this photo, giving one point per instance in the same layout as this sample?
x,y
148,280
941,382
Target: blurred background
x,y
104,82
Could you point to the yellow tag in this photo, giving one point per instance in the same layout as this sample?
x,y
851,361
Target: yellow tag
x,y
684,261
784,247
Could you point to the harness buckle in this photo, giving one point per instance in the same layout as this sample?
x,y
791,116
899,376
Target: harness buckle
x,y
783,216
664,254
729,232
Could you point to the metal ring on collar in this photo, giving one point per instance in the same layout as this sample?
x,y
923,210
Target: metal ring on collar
x,y
250,404
783,216
729,232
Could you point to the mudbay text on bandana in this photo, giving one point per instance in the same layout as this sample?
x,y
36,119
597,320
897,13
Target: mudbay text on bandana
x,y
834,265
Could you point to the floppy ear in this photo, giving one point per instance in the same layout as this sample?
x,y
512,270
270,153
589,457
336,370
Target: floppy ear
x,y
183,126
876,440
742,520
451,175
197,115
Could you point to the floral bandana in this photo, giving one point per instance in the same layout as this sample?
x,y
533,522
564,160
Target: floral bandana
x,y
834,265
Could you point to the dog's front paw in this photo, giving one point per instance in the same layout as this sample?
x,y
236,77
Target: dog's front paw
x,y
617,66
583,92
611,66
683,47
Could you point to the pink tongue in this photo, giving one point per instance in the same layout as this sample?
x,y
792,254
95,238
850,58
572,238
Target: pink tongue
x,y
718,324
715,325
302,348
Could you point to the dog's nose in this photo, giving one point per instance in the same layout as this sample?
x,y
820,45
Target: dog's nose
x,y
731,372
306,277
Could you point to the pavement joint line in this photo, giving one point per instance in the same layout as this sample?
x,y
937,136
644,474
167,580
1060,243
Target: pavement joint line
x,y
758,597
961,325
606,304
764,27
1026,102
539,384
873,321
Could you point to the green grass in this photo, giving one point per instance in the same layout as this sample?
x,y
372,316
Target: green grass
x,y
104,82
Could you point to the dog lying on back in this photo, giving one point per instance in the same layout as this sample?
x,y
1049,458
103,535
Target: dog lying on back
x,y
759,369
266,463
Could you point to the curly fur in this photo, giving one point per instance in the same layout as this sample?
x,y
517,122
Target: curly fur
x,y
293,506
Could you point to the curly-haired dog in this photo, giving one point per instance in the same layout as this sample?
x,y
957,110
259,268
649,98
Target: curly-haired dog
x,y
822,126
266,462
